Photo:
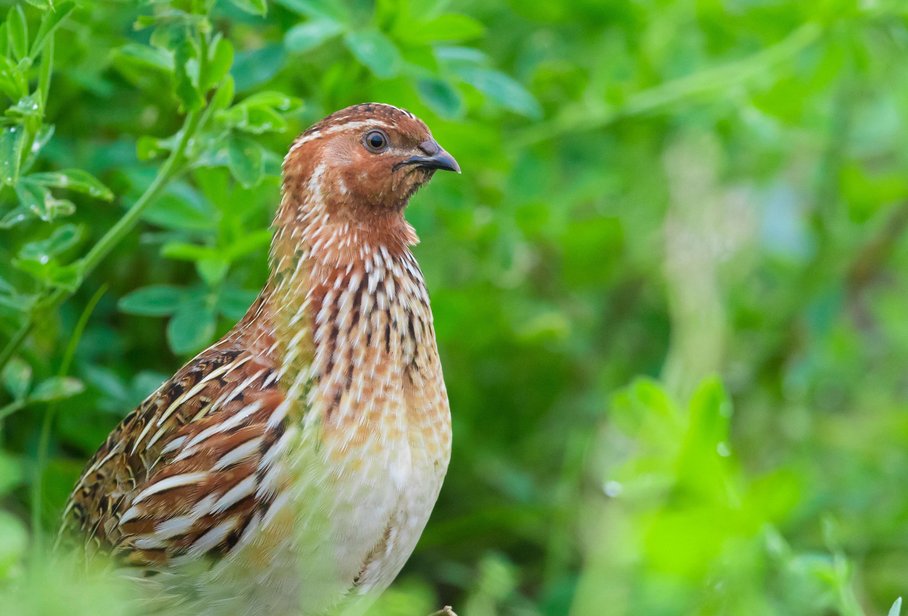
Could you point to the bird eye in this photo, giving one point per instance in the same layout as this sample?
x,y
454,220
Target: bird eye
x,y
376,141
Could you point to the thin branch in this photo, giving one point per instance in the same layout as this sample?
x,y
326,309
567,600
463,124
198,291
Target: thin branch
x,y
718,79
169,169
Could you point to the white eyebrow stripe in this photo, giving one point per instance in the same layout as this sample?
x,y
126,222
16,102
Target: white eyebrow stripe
x,y
353,124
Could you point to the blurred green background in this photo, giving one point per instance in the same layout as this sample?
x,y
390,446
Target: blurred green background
x,y
670,287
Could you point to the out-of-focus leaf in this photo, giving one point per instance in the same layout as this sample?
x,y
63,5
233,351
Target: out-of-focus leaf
x,y
441,97
187,92
220,59
73,179
63,238
13,542
11,144
456,56
17,31
57,388
144,57
11,473
13,81
502,89
254,7
50,22
256,120
896,608
15,216
17,377
245,160
181,207
251,68
224,95
191,327
187,252
39,201
233,303
375,51
25,108
325,9
309,35
448,27
152,301
269,98
213,270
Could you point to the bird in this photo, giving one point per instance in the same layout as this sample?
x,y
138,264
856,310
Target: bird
x,y
291,467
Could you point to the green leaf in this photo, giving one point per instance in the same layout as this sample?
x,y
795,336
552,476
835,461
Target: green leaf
x,y
257,66
188,252
896,608
17,377
212,270
50,22
144,57
191,328
245,161
441,97
256,120
182,208
270,98
152,301
456,56
57,388
254,7
449,27
233,303
15,216
11,473
17,32
220,59
309,35
62,239
324,9
186,91
502,89
13,81
376,51
252,241
224,95
11,144
73,179
13,543
33,197
39,200
25,108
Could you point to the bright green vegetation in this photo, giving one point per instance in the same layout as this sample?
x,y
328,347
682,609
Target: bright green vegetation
x,y
670,286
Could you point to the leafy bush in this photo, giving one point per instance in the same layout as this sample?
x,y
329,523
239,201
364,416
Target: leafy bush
x,y
705,200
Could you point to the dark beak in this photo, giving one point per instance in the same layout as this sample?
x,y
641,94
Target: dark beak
x,y
436,158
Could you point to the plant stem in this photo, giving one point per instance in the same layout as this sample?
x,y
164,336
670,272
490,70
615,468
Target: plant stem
x,y
11,408
16,341
171,167
718,79
47,422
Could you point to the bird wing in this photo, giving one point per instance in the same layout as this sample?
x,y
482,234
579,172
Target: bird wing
x,y
186,472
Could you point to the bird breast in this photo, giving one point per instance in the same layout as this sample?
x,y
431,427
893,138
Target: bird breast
x,y
375,440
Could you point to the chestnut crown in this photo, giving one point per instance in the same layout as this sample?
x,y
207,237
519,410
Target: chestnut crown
x,y
368,158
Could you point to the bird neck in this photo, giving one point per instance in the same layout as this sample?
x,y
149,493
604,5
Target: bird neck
x,y
339,287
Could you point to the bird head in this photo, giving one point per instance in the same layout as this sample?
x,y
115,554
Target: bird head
x,y
364,160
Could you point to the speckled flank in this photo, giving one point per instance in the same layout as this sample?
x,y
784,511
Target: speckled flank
x,y
293,465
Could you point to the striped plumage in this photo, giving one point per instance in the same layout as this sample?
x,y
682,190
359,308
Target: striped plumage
x,y
291,467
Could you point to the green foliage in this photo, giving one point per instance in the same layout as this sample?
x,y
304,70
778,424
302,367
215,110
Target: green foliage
x,y
705,200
